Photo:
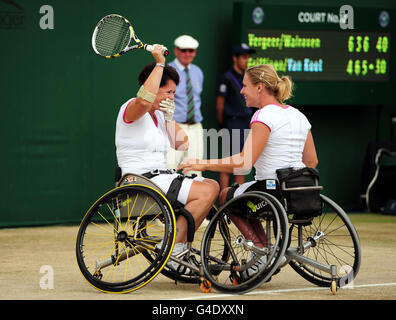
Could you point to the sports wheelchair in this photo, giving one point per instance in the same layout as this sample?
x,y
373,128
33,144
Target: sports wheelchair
x,y
126,238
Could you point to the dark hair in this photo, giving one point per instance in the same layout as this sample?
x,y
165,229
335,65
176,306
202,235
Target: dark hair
x,y
170,73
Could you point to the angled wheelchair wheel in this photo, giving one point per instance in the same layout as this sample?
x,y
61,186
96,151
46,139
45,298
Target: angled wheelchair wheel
x,y
117,233
331,239
232,272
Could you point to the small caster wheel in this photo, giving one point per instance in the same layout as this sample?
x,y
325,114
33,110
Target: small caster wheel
x,y
333,287
205,286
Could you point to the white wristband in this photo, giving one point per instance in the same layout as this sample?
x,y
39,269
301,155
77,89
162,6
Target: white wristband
x,y
160,64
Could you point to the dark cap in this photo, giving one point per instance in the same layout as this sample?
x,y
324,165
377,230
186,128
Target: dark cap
x,y
242,48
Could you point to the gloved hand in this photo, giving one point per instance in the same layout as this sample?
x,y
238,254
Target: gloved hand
x,y
168,108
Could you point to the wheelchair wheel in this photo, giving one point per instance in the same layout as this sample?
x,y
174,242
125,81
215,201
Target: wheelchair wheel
x,y
228,273
334,242
117,231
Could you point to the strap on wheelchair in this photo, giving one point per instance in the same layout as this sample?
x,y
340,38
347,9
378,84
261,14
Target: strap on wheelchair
x,y
190,223
156,172
174,189
172,194
230,193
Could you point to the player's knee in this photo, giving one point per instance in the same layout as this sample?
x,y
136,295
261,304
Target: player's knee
x,y
215,189
210,191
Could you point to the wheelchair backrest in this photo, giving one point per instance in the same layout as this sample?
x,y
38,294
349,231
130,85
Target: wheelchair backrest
x,y
132,178
301,192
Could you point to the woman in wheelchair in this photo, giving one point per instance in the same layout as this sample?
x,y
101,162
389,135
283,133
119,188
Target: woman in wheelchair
x,y
280,137
145,130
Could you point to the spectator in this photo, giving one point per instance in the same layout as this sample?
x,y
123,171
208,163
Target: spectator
x,y
187,101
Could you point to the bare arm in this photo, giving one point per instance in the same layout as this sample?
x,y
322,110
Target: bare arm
x,y
309,158
138,107
254,146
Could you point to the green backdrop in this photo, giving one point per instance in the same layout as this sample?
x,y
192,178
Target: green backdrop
x,y
59,102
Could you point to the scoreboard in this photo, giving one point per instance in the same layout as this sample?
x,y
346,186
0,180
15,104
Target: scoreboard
x,y
323,55
330,62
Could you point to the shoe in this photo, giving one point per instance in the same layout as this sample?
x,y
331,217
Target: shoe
x,y
173,265
258,266
261,264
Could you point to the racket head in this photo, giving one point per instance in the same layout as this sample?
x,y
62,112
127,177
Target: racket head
x,y
112,36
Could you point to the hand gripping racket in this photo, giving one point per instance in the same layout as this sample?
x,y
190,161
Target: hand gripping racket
x,y
114,35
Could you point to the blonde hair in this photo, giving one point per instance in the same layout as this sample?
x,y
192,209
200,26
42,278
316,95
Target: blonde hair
x,y
281,88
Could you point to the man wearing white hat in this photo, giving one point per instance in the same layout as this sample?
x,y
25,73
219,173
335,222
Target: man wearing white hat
x,y
188,100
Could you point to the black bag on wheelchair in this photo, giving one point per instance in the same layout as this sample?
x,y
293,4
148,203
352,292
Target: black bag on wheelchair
x,y
300,189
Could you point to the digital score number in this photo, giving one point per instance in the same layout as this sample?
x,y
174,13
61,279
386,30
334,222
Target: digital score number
x,y
361,67
323,55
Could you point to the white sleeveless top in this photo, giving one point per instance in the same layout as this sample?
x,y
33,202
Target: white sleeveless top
x,y
141,145
289,128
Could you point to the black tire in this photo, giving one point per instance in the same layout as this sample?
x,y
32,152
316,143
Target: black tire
x,y
225,273
115,232
340,246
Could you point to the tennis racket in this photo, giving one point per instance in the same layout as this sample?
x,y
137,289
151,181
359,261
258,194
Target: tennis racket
x,y
114,35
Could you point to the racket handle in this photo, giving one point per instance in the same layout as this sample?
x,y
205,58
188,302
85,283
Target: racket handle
x,y
149,47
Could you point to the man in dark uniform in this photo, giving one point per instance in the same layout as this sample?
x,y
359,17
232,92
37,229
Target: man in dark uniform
x,y
232,113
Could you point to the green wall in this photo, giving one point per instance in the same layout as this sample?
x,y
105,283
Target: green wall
x,y
59,102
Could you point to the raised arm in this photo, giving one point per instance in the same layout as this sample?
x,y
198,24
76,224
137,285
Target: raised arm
x,y
143,103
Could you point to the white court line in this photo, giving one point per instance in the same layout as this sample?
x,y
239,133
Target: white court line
x,y
222,295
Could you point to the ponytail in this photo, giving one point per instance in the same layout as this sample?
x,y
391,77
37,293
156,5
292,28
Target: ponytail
x,y
281,88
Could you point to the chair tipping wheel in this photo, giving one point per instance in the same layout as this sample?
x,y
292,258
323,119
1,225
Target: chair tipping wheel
x,y
333,287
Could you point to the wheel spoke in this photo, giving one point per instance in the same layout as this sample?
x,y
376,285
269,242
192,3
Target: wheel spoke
x,y
118,234
339,245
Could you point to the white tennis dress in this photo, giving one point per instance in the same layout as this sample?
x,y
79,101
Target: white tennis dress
x,y
142,145
288,132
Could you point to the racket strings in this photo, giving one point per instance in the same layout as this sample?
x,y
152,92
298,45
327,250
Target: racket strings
x,y
112,37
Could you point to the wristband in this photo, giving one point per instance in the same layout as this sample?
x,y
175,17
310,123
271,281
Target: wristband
x,y
160,64
146,95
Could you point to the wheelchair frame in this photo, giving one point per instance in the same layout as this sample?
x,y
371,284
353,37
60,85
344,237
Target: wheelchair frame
x,y
225,270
